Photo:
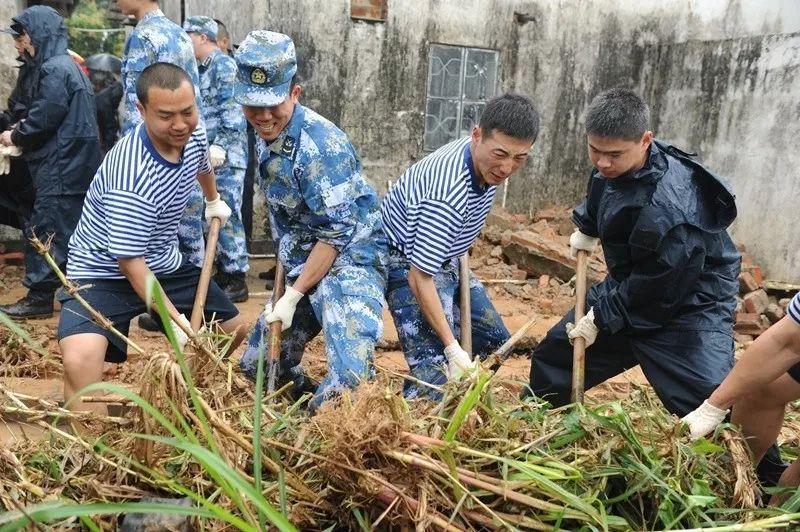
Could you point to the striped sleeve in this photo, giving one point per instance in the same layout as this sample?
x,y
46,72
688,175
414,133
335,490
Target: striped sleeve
x,y
438,227
794,308
131,220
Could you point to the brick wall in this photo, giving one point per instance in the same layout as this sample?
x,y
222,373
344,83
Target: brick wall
x,y
368,9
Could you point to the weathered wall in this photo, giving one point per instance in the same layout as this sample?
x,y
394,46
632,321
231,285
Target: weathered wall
x,y
721,75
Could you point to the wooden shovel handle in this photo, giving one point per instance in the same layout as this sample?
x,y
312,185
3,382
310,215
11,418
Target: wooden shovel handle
x,y
579,345
205,275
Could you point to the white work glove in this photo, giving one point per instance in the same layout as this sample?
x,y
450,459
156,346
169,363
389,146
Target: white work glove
x,y
181,336
458,361
217,208
704,419
216,155
578,240
283,310
6,152
584,328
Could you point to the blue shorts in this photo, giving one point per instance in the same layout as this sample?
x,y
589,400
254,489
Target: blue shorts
x,y
116,300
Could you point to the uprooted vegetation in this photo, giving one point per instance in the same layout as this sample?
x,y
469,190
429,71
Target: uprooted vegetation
x,y
479,459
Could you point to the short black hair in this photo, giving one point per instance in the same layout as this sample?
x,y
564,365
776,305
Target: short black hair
x,y
513,114
618,113
222,30
161,75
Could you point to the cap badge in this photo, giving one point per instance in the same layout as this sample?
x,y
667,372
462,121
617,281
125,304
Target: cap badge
x,y
258,76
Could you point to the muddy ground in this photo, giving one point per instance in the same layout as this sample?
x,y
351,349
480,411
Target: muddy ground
x,y
547,299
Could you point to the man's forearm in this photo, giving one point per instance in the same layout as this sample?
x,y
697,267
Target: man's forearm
x,y
208,182
317,266
424,289
136,272
769,357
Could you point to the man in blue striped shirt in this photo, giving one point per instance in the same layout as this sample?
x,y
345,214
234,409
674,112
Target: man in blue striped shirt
x,y
432,216
128,230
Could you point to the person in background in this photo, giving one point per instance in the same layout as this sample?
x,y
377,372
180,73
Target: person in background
x,y
59,141
104,71
225,128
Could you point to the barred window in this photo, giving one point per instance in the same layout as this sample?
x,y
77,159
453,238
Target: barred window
x,y
460,80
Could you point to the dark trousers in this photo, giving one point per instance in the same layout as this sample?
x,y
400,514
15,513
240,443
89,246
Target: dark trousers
x,y
683,367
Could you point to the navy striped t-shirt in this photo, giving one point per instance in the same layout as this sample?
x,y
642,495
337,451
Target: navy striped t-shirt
x,y
794,308
134,205
438,207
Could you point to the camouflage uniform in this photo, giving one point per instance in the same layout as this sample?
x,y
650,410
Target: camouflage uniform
x,y
226,128
311,177
422,347
157,39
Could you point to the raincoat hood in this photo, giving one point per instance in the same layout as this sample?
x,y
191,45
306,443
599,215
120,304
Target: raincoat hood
x,y
47,31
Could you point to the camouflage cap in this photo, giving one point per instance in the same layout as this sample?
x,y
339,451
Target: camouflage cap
x,y
205,25
266,64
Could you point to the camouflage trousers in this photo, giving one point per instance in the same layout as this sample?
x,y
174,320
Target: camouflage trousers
x,y
346,306
231,247
423,349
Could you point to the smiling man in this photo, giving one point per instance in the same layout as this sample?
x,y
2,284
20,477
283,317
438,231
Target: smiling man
x,y
432,216
667,302
129,229
326,220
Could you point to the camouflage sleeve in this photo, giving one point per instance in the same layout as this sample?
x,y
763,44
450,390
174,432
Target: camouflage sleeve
x,y
140,54
326,182
231,129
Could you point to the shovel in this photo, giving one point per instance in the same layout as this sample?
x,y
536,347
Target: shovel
x,y
205,275
465,305
274,347
579,344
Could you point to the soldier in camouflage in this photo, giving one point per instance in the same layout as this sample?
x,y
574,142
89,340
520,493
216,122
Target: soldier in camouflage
x,y
226,130
157,39
326,220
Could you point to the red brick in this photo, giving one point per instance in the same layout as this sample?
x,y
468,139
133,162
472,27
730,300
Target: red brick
x,y
368,9
752,324
502,219
16,258
747,283
755,271
756,302
539,255
774,313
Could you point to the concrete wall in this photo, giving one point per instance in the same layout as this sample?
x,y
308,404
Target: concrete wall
x,y
721,76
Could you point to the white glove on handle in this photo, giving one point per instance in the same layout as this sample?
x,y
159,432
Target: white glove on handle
x,y
578,240
6,152
458,361
216,155
181,336
217,208
283,310
704,419
585,328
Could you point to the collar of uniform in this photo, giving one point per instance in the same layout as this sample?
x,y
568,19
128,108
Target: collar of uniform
x,y
206,62
474,180
152,14
286,143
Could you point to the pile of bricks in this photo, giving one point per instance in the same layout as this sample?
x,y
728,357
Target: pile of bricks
x,y
756,310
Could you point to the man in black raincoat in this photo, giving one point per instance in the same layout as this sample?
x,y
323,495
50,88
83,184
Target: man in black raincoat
x,y
59,142
668,300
